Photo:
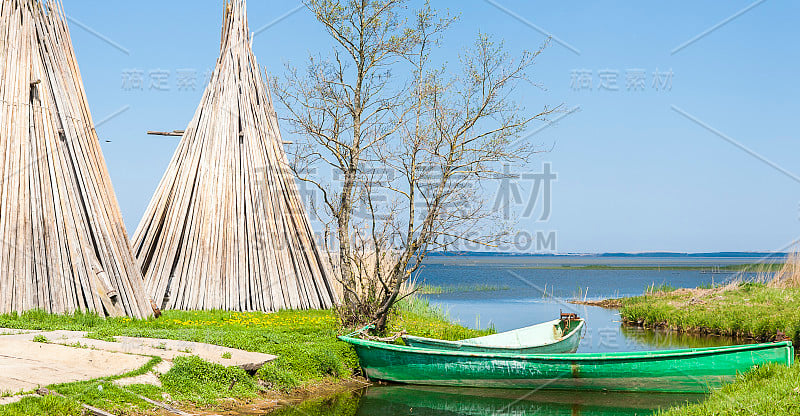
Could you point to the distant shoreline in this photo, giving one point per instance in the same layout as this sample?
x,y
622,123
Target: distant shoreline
x,y
720,254
755,268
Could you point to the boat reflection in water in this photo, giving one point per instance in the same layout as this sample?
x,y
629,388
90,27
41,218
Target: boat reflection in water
x,y
434,400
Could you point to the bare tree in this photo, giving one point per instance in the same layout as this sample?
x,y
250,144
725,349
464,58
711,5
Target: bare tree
x,y
410,143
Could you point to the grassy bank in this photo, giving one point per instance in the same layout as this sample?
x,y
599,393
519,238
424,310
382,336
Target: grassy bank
x,y
440,290
769,390
751,310
418,317
304,341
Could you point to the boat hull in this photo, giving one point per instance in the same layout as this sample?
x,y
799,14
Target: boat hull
x,y
695,370
568,344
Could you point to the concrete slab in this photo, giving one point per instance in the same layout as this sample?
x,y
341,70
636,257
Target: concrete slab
x,y
28,365
13,399
165,348
247,360
150,378
69,356
9,331
163,367
51,336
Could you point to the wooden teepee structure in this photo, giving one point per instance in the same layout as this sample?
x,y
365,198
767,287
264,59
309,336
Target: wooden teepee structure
x,y
226,228
63,245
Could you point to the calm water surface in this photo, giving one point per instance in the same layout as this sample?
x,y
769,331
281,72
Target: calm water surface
x,y
531,295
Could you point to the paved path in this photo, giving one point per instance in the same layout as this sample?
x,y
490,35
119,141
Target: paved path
x,y
69,356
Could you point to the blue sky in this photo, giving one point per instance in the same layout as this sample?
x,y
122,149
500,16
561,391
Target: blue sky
x,y
639,168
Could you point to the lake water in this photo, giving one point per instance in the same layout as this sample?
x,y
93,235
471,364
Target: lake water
x,y
528,294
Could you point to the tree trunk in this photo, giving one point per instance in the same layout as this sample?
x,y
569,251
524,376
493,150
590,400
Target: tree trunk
x,y
380,323
345,252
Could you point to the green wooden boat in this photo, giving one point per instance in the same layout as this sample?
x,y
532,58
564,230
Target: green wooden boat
x,y
556,336
695,370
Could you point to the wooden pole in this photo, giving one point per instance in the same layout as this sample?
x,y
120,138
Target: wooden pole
x,y
177,133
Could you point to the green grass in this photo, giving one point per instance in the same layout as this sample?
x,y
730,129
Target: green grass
x,y
304,341
191,380
418,317
37,406
102,393
662,288
769,390
196,381
750,310
439,290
